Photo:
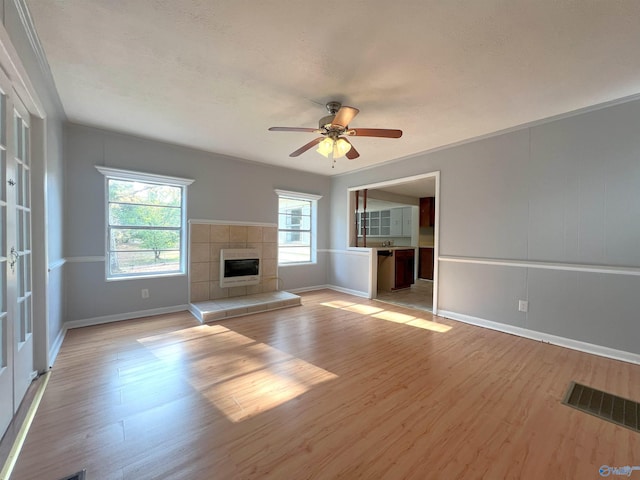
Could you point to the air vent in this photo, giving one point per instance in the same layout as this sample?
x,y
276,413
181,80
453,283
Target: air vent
x,y
604,405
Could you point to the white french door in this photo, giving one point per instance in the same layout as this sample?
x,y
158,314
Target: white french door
x,y
16,318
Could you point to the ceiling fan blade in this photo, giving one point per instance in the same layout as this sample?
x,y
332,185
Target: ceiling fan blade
x,y
306,147
353,153
294,129
374,132
344,116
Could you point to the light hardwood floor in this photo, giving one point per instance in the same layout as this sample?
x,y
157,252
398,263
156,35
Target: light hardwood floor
x,y
341,387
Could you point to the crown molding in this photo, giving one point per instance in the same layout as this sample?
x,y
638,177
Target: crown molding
x,y
11,65
34,40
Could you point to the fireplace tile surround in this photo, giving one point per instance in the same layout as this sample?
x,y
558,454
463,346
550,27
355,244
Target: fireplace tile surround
x,y
205,242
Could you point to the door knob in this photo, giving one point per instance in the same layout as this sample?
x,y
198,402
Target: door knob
x,y
13,259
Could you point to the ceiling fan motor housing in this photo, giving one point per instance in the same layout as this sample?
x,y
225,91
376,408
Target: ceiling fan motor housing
x,y
325,122
333,107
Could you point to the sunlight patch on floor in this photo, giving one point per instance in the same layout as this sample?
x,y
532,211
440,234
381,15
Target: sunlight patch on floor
x,y
429,325
390,316
186,334
239,376
251,393
412,321
363,309
394,316
337,304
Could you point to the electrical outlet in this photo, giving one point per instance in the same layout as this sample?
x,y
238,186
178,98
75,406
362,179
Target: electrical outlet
x,y
523,306
145,293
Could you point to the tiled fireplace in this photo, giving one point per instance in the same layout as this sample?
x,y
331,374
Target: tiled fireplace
x,y
206,241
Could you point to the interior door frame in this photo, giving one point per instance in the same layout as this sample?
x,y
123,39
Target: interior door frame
x,y
23,355
7,324
436,230
23,90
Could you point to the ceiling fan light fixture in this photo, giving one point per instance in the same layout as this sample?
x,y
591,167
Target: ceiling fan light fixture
x,y
325,147
333,148
341,148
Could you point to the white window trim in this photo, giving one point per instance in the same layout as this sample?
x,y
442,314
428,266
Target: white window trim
x,y
314,223
130,175
120,174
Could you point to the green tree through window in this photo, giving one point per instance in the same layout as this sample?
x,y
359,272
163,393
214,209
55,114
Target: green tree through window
x,y
145,224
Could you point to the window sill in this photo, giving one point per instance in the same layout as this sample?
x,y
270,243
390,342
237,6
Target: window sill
x,y
146,277
297,264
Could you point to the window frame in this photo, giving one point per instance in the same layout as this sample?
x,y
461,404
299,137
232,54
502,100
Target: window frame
x,y
313,225
164,180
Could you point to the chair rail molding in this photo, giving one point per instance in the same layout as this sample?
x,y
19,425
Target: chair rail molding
x,y
571,267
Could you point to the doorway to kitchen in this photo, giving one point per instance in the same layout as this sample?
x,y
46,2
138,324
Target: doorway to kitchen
x,y
417,199
419,295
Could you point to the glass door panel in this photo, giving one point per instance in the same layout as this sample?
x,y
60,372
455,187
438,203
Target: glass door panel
x,y
23,325
6,323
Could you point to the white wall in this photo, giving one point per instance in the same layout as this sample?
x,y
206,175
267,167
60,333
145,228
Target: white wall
x,y
563,192
224,189
348,270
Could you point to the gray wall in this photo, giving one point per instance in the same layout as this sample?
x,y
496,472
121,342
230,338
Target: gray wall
x,y
224,189
563,192
47,193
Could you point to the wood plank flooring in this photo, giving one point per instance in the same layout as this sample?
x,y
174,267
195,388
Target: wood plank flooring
x,y
339,388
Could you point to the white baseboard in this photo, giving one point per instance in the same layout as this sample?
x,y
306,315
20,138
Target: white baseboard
x,y
57,343
313,288
87,322
196,313
545,337
356,293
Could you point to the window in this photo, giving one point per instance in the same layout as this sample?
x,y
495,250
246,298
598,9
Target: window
x,y
296,227
145,223
294,224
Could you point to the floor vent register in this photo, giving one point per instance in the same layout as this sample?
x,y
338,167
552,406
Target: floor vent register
x,y
604,405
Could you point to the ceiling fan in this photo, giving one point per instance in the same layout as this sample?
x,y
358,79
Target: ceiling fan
x,y
334,128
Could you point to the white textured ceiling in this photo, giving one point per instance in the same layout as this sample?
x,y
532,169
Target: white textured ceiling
x,y
215,75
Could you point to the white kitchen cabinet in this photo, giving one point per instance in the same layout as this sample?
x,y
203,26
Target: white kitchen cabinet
x,y
406,221
373,222
385,223
396,222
